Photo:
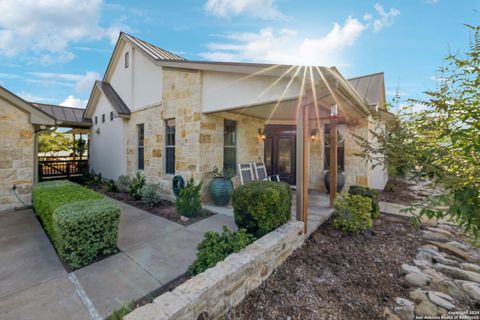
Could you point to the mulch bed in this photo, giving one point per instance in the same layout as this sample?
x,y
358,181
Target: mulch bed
x,y
164,208
336,276
397,191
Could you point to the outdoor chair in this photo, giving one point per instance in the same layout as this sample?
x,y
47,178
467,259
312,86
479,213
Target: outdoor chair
x,y
245,172
261,172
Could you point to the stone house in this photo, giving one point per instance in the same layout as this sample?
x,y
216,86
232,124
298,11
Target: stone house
x,y
157,112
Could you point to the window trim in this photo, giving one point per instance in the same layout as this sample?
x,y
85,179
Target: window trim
x,y
140,146
96,120
111,116
127,59
170,147
103,117
234,124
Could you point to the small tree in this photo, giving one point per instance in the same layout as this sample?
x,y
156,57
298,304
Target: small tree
x,y
441,142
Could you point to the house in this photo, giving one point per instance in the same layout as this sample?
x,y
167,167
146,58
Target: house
x,y
157,112
20,124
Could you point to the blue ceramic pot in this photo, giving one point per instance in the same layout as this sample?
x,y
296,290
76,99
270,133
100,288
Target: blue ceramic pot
x,y
220,191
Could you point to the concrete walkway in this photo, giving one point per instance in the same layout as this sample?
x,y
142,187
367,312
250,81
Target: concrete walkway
x,y
35,285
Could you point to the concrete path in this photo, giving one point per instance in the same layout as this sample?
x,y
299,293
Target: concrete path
x,y
35,285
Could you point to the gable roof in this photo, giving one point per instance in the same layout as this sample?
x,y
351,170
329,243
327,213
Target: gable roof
x,y
36,116
65,116
153,51
112,96
370,87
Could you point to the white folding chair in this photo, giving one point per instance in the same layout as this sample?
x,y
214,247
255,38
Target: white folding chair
x,y
245,172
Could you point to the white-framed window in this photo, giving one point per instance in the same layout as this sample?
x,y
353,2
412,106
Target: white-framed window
x,y
141,147
170,146
127,59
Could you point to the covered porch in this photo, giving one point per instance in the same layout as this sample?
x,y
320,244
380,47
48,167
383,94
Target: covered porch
x,y
303,131
62,151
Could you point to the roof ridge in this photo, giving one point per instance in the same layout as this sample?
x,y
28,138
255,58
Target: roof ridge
x,y
155,51
366,75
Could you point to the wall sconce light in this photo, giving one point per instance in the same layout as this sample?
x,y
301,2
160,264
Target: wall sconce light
x,y
333,110
261,134
314,134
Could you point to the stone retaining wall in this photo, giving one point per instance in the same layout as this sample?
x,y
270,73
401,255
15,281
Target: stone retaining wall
x,y
215,291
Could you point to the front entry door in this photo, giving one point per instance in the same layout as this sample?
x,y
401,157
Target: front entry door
x,y
280,152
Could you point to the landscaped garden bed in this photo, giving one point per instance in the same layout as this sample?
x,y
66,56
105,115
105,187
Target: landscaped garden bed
x,y
338,276
135,191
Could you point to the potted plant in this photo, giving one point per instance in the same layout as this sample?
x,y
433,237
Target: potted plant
x,y
340,180
221,186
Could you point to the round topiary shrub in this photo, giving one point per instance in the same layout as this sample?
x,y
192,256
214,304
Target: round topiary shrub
x,y
370,193
150,194
352,213
261,206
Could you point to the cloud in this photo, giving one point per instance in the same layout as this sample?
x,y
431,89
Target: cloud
x,y
45,29
289,47
35,98
432,1
72,101
80,83
385,19
283,46
264,9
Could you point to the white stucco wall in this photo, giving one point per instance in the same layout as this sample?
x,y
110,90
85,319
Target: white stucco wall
x,y
121,79
107,149
147,84
222,91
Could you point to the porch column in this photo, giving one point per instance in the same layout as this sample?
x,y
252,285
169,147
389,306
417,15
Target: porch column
x,y
302,165
333,154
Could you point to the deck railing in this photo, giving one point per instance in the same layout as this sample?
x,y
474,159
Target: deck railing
x,y
51,169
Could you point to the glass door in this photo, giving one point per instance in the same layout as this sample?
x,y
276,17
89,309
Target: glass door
x,y
280,152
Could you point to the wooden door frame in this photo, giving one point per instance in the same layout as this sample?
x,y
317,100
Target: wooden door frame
x,y
276,132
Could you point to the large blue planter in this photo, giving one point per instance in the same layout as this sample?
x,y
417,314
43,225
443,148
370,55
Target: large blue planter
x,y
220,191
340,181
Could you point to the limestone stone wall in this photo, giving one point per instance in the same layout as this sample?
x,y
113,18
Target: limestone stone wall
x,y
16,155
215,291
357,170
199,137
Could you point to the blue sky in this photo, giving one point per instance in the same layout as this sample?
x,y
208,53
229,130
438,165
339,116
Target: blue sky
x,y
51,51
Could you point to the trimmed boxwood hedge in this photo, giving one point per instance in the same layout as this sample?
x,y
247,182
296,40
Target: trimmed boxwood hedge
x,y
262,206
81,223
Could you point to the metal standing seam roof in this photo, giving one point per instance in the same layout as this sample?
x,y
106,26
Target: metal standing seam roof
x,y
67,115
369,87
154,51
113,97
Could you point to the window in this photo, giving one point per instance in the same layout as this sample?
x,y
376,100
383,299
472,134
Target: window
x,y
230,145
127,56
170,146
103,118
111,115
140,147
96,119
340,150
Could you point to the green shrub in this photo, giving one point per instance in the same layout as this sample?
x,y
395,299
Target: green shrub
x,y
188,203
136,185
81,223
261,206
150,194
215,247
352,213
49,196
123,182
111,185
86,229
370,193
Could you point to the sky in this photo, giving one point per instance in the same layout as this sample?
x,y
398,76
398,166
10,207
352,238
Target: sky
x,y
51,51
